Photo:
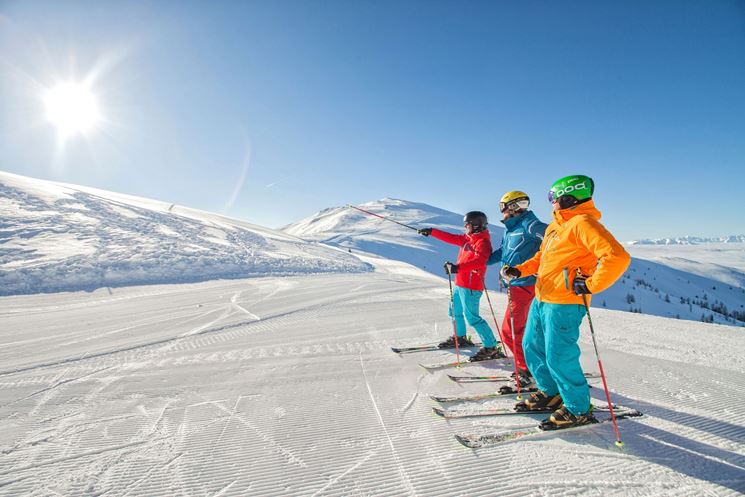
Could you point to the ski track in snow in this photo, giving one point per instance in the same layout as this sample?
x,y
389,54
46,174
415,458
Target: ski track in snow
x,y
401,470
116,395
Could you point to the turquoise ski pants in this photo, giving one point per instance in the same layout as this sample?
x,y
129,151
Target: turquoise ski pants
x,y
466,305
552,352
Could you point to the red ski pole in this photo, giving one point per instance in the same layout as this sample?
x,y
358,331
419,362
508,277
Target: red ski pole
x,y
499,330
619,443
512,328
383,217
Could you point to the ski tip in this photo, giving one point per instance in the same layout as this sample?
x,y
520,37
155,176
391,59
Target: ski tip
x,y
466,442
439,412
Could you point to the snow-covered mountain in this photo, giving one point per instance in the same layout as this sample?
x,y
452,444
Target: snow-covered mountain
x,y
353,230
58,237
695,288
689,240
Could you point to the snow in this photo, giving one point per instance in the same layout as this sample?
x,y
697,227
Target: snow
x,y
283,383
287,386
57,237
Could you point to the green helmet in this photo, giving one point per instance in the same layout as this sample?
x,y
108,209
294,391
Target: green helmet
x,y
577,187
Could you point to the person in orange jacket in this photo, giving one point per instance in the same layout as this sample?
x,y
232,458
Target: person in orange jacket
x,y
469,271
578,256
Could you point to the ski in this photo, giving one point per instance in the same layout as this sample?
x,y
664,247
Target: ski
x,y
465,398
422,348
475,379
480,441
504,411
455,364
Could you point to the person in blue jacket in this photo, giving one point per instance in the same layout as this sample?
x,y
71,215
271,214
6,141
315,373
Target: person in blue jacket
x,y
522,239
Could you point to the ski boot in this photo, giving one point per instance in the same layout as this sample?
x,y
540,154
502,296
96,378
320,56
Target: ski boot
x,y
450,343
526,379
526,383
562,418
539,401
487,353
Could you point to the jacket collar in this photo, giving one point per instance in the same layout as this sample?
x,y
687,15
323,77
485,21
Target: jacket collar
x,y
587,208
514,221
476,236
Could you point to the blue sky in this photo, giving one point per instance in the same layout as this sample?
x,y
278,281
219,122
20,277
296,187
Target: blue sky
x,y
270,111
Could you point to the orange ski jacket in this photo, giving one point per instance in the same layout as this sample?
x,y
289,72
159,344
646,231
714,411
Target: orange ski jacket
x,y
575,240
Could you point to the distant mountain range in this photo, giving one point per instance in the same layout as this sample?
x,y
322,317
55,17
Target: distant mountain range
x,y
688,240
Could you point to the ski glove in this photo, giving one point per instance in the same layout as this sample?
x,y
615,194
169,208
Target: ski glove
x,y
451,268
424,231
509,273
579,285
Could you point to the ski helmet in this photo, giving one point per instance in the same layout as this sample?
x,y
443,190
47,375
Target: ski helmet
x,y
571,190
477,220
514,201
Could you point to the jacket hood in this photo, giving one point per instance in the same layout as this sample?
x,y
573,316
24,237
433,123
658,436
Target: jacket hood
x,y
586,208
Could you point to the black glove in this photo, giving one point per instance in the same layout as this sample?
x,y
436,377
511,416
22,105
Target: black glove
x,y
451,268
424,231
509,273
579,285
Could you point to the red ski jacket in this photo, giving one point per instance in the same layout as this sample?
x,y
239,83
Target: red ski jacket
x,y
474,251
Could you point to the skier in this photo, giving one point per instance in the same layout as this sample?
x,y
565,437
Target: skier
x,y
469,271
578,256
522,239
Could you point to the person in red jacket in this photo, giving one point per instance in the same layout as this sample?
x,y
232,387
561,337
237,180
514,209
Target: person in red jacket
x,y
469,271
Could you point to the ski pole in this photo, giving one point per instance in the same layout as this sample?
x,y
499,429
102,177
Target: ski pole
x,y
512,328
452,316
619,443
382,217
499,330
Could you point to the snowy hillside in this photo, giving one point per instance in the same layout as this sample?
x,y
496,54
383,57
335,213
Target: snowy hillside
x,y
708,283
356,231
689,240
287,387
63,237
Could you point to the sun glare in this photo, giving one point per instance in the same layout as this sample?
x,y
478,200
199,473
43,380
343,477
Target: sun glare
x,y
72,108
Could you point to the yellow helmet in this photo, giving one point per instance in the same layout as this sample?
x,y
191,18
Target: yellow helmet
x,y
514,201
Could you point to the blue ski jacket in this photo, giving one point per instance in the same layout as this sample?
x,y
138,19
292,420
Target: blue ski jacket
x,y
520,242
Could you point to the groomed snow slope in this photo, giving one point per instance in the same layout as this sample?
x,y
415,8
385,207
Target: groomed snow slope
x,y
287,387
58,237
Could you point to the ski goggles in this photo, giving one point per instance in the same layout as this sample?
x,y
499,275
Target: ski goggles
x,y
513,205
563,200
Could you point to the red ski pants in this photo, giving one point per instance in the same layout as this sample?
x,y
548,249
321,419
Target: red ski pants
x,y
522,297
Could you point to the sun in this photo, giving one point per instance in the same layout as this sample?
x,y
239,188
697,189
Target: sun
x,y
72,108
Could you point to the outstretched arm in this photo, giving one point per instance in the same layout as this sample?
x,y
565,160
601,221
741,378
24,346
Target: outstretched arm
x,y
446,237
